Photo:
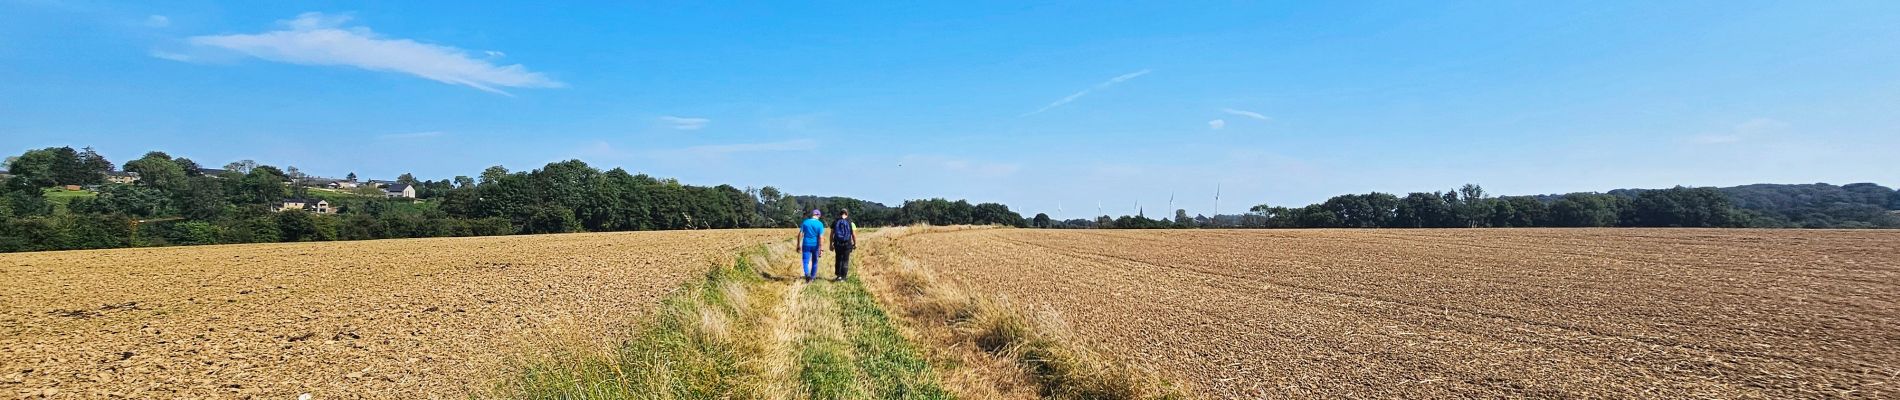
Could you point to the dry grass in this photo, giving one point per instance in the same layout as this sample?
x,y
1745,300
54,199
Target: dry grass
x,y
1000,350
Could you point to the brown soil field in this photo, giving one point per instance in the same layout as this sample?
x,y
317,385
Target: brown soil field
x,y
419,318
1647,313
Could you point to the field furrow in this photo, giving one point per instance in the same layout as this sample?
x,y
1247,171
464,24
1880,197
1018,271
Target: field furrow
x,y
1449,313
424,318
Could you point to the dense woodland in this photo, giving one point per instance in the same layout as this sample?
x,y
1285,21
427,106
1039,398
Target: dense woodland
x,y
176,201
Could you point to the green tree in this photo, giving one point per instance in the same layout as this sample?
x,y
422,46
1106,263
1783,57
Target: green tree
x,y
1682,207
296,226
60,166
158,170
135,201
1585,210
191,168
262,186
1426,210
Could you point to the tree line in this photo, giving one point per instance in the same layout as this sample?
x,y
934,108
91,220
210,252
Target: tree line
x,y
1859,205
176,202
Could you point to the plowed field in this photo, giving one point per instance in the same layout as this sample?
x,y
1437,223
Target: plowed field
x,y
1654,313
424,318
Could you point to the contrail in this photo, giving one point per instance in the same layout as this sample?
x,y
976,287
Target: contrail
x,y
1085,92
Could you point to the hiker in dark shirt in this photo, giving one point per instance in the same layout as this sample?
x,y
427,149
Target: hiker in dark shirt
x,y
844,238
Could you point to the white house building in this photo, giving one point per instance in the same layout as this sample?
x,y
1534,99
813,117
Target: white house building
x,y
122,177
308,205
396,190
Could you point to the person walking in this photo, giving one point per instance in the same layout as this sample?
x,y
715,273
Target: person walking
x,y
809,234
844,238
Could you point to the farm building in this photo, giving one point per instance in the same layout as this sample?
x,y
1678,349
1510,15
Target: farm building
x,y
309,205
122,177
399,190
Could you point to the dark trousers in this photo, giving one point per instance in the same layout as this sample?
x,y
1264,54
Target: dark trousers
x,y
844,261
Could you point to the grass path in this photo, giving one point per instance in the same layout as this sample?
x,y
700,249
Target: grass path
x,y
749,331
756,330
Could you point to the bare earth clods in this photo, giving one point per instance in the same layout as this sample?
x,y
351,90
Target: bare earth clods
x,y
423,318
1667,313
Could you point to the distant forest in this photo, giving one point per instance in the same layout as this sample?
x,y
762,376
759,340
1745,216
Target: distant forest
x,y
176,201
1819,205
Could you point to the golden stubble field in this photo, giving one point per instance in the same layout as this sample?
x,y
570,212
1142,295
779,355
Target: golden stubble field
x,y
1616,313
421,318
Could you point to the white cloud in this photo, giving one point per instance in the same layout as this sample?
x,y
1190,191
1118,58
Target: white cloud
x,y
722,149
1245,113
158,21
1747,130
1099,86
494,54
1217,124
411,135
320,39
171,56
685,123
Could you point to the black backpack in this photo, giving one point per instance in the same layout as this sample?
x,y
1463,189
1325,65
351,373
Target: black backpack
x,y
842,235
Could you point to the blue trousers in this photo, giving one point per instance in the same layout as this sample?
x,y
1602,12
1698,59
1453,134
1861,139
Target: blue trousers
x,y
811,261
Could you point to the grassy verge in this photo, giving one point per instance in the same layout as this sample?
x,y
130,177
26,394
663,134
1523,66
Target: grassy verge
x,y
743,333
1041,351
696,347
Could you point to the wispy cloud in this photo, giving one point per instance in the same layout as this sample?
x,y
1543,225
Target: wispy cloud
x,y
1099,86
158,21
1245,113
960,166
685,123
1751,129
1217,124
322,39
723,149
171,56
410,135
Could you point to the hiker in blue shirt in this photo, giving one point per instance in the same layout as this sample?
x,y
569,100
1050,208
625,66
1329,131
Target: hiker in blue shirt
x,y
844,238
809,233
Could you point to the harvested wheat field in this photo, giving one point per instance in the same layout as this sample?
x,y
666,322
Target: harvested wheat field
x,y
1654,313
421,318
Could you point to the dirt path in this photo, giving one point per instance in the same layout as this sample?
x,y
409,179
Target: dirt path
x,y
424,318
1449,313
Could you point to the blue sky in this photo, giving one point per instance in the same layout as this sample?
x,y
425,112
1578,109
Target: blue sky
x,y
1037,106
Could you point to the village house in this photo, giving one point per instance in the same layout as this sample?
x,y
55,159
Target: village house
x,y
307,205
341,184
121,177
398,190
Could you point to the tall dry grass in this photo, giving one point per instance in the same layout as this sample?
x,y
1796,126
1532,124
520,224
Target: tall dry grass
x,y
1044,351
